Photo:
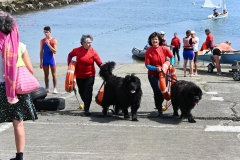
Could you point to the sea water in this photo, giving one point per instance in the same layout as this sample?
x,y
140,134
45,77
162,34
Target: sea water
x,y
119,25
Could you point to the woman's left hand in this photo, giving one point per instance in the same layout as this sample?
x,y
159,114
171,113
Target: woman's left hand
x,y
159,69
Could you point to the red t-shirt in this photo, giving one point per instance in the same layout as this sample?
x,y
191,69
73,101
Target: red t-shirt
x,y
85,61
175,42
208,39
156,57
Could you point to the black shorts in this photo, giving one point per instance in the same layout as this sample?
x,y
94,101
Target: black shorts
x,y
195,57
217,52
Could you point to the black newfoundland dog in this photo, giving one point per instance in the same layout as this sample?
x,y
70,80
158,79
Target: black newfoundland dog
x,y
121,92
184,96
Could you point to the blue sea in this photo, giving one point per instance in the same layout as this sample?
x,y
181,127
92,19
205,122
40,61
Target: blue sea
x,y
117,25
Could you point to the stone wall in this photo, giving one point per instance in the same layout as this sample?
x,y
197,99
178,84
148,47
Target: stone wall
x,y
23,6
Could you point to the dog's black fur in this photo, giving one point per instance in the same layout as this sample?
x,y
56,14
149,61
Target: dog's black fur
x,y
121,92
184,96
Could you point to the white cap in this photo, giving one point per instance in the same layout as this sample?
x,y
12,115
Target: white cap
x,y
193,32
162,32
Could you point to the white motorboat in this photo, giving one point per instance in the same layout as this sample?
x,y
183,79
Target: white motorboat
x,y
216,4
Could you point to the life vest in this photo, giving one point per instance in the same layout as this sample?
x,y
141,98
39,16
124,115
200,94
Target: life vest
x,y
70,81
186,44
167,69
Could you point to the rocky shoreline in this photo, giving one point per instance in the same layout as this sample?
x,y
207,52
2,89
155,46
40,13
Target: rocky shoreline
x,y
26,6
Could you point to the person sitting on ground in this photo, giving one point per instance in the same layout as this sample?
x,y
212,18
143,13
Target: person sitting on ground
x,y
218,50
215,12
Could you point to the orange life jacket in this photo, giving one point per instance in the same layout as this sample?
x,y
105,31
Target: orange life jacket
x,y
186,44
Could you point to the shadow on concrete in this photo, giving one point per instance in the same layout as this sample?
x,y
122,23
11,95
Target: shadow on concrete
x,y
167,118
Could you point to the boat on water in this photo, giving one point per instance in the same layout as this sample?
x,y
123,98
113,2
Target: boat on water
x,y
216,4
140,53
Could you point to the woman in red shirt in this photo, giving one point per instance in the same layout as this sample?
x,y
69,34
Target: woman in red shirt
x,y
155,57
85,70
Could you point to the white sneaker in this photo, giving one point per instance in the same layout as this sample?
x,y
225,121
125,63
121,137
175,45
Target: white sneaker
x,y
55,91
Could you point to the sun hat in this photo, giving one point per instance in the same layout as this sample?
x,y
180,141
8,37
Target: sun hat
x,y
193,32
162,32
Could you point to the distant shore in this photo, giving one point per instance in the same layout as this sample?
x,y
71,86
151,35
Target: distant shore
x,y
27,6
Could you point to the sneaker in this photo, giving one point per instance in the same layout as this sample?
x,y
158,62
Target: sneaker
x,y
55,91
48,90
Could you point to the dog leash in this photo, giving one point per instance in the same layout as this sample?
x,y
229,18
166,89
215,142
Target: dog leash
x,y
112,110
75,92
101,85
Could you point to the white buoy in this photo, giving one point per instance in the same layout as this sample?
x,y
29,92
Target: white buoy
x,y
193,3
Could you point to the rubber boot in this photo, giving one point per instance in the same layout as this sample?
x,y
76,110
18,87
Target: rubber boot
x,y
19,156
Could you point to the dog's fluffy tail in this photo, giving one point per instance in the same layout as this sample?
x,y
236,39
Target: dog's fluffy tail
x,y
106,70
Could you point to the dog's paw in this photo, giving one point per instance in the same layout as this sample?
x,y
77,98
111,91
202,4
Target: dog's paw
x,y
191,120
134,119
126,116
176,115
104,111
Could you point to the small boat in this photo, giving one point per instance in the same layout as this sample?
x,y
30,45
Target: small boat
x,y
216,4
228,58
140,53
221,15
232,59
